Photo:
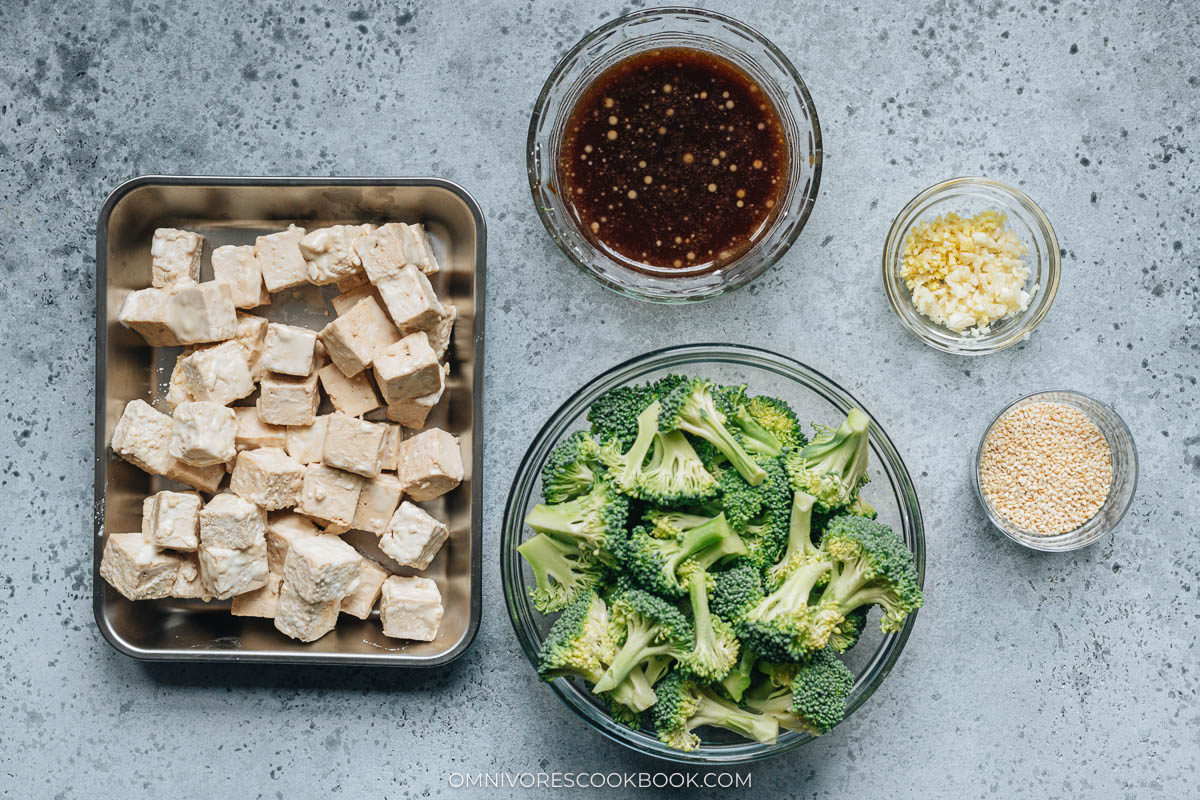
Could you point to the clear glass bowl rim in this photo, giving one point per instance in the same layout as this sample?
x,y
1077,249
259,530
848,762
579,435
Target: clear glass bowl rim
x,y
923,328
540,110
525,483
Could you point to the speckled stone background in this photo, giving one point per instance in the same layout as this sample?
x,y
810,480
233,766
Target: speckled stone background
x,y
1058,677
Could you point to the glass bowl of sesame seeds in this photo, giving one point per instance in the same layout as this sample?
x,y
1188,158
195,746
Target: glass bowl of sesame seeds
x,y
1056,470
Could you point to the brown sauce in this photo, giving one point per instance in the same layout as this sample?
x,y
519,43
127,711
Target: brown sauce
x,y
674,159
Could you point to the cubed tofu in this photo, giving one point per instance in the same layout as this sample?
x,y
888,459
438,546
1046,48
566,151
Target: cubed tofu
x,y
353,396
201,312
430,464
175,257
189,584
410,608
359,602
418,250
330,252
135,568
288,350
392,247
356,337
346,301
410,300
409,368
413,538
329,494
237,267
413,412
267,477
287,400
282,530
206,479
142,437
279,258
300,619
377,503
227,572
173,522
260,602
391,447
440,334
306,443
253,433
203,433
145,313
252,335
229,521
218,374
321,568
354,445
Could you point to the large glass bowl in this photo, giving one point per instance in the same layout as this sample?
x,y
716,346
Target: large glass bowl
x,y
697,29
815,397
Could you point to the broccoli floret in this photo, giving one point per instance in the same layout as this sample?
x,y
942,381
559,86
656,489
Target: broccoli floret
x,y
690,407
595,521
800,548
733,403
861,508
625,465
871,565
684,705
736,591
849,630
665,524
778,626
715,649
778,417
675,473
833,466
572,468
614,414
563,572
741,676
819,692
645,627
766,535
740,501
654,563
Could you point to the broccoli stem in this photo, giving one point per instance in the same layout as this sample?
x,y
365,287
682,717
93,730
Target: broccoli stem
x,y
635,691
555,574
739,678
714,431
714,711
700,538
706,637
638,647
758,438
627,476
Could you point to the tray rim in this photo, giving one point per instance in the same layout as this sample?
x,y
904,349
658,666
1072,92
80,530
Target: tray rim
x,y
100,450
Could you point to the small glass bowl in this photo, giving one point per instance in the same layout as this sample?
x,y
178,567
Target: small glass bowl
x,y
814,397
698,30
967,197
1120,492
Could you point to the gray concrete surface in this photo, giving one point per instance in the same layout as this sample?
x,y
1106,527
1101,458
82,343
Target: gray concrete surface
x,y
1064,677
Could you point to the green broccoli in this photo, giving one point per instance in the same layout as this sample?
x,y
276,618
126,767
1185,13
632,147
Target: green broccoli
x,y
861,508
614,414
645,628
800,548
684,705
740,677
663,524
833,466
654,563
735,591
595,521
779,419
674,473
849,630
778,626
563,572
691,408
572,469
625,465
766,534
808,697
733,403
715,649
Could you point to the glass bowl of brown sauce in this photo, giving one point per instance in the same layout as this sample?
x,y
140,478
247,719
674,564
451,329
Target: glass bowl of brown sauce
x,y
674,154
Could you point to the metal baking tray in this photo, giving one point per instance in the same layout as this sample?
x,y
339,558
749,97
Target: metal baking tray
x,y
234,211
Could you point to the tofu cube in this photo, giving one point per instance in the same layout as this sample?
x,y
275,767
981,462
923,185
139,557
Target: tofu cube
x,y
300,619
359,602
288,350
252,335
136,569
391,447
226,571
357,336
413,412
409,368
145,313
229,521
306,443
189,584
173,521
418,250
201,312
330,252
354,445
391,247
410,608
237,267
175,257
203,433
410,300
349,298
280,259
377,503
261,602
205,479
287,400
143,436
218,374
430,464
440,333
413,538
353,396
321,568
253,433
330,495
267,477
282,530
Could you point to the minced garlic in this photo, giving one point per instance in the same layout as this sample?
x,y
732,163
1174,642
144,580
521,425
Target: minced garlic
x,y
966,273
